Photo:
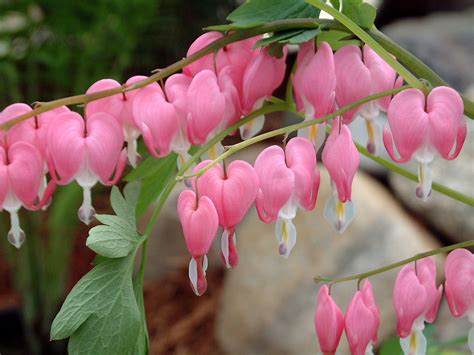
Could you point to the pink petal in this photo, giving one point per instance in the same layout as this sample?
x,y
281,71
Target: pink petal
x,y
4,186
25,172
459,285
353,80
445,109
408,123
113,105
157,120
232,102
66,146
205,63
276,183
328,321
301,159
104,143
206,106
341,159
199,222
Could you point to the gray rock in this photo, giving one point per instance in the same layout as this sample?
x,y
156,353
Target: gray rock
x,y
267,304
452,217
444,41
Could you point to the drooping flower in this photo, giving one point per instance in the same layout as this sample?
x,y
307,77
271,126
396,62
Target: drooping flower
x,y
21,175
314,85
361,73
157,121
119,106
262,76
362,321
206,107
341,159
328,322
288,179
423,127
200,221
416,301
232,190
86,151
459,287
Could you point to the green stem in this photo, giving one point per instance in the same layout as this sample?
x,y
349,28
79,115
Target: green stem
x,y
294,127
236,36
468,200
416,66
419,256
366,38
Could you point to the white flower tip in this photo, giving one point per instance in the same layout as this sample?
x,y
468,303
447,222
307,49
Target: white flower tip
x,y
16,237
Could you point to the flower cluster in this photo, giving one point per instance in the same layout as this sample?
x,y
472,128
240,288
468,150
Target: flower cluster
x,y
415,298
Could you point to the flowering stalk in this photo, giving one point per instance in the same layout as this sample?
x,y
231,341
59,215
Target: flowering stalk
x,y
383,269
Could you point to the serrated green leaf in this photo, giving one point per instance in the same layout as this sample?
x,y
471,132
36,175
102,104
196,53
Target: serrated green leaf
x,y
149,167
131,192
337,39
101,314
112,242
360,12
121,207
257,12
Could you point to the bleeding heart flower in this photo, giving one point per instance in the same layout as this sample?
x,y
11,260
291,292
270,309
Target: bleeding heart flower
x,y
33,130
200,221
341,159
416,300
263,75
361,73
85,151
423,127
314,85
120,107
206,107
362,321
232,190
459,286
328,322
288,179
157,120
21,174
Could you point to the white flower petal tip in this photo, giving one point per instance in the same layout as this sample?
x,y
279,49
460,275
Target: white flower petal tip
x,y
339,214
250,129
286,236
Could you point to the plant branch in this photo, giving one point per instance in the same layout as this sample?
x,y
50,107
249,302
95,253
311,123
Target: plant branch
x,y
294,127
173,68
366,38
416,66
468,200
380,270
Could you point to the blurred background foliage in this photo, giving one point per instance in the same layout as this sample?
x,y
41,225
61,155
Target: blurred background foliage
x,y
56,48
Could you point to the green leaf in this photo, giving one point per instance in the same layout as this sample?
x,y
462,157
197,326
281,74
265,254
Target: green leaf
x,y
337,39
258,12
121,206
101,314
336,4
360,12
291,36
391,347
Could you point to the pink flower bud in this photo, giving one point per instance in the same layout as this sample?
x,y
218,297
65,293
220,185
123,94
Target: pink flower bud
x,y
288,179
87,152
315,87
199,220
362,321
459,285
207,62
424,127
341,159
328,322
232,191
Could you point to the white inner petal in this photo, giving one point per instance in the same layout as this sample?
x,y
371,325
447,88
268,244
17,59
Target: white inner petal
x,y
225,247
193,274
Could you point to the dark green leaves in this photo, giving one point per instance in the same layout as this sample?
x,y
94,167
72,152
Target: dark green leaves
x,y
291,37
101,314
337,39
258,12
